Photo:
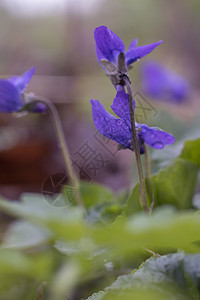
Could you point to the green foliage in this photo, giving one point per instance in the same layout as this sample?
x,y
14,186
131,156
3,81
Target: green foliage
x,y
93,193
174,276
191,151
165,228
101,204
81,257
52,252
25,235
174,184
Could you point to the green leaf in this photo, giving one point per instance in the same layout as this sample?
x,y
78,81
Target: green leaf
x,y
160,159
93,193
15,287
97,296
191,150
133,203
175,184
163,229
147,293
13,262
102,205
24,235
62,222
169,271
111,213
166,276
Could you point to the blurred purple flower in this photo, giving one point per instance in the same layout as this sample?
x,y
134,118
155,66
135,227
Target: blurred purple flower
x,y
119,129
109,46
12,94
161,83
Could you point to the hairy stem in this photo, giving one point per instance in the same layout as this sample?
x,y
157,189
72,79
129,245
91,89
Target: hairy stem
x,y
142,189
63,145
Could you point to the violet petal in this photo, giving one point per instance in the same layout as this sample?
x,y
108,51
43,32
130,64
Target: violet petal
x,y
134,54
154,137
120,106
108,44
22,81
110,126
10,98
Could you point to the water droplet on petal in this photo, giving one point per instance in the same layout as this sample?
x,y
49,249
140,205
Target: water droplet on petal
x,y
152,135
108,129
119,122
157,145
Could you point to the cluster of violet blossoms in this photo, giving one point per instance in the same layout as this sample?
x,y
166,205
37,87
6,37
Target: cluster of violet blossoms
x,y
115,61
161,83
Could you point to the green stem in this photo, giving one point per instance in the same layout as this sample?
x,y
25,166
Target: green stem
x,y
148,174
63,145
147,162
142,189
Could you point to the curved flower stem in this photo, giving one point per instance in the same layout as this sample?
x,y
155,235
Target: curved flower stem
x,y
143,197
63,145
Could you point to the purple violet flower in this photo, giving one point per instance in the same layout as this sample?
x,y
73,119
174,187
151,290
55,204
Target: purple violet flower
x,y
109,46
119,129
161,83
12,94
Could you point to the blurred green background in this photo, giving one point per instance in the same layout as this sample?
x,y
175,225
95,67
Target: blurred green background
x,y
57,38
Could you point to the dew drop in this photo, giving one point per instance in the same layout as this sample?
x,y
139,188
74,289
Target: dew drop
x,y
152,135
108,129
119,122
158,145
